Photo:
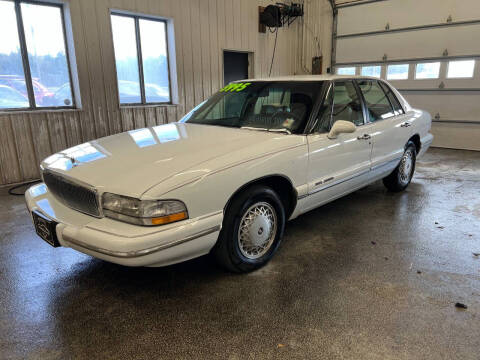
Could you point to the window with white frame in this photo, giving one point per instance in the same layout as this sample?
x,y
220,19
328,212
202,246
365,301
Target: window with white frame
x,y
374,70
430,70
460,69
397,72
141,58
346,70
34,66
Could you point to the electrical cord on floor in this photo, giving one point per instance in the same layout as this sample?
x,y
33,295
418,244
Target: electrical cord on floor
x,y
12,189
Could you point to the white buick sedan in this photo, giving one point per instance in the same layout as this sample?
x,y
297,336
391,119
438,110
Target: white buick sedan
x,y
226,178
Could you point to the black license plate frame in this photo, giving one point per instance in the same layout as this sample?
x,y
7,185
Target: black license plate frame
x,y
45,228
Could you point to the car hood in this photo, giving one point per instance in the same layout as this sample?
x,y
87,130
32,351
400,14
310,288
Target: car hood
x,y
131,163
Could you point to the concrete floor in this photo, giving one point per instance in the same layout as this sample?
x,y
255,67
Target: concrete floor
x,y
344,284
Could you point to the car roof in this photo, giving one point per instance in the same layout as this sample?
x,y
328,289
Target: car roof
x,y
311,78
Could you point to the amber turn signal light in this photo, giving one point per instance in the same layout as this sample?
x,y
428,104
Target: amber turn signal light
x,y
169,218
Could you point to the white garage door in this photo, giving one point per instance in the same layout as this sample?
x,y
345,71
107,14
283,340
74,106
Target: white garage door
x,y
428,49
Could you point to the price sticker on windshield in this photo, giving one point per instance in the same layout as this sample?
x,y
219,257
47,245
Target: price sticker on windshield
x,y
235,87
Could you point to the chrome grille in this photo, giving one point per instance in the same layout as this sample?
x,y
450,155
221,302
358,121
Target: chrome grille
x,y
72,195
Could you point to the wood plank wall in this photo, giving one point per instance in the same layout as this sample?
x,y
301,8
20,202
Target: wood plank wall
x,y
203,28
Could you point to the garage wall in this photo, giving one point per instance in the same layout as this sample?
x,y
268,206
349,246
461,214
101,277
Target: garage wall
x,y
315,35
416,31
203,28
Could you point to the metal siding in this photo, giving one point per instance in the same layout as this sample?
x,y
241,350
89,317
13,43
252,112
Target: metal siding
x,y
24,145
56,129
202,30
9,163
41,135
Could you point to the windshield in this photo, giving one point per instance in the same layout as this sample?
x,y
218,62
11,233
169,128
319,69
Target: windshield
x,y
260,105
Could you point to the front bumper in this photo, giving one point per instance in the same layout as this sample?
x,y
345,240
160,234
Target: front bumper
x,y
123,243
425,143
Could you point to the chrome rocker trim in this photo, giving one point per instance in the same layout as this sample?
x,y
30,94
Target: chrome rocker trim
x,y
338,182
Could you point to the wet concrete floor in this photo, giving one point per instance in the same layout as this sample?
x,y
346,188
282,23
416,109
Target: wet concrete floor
x,y
374,275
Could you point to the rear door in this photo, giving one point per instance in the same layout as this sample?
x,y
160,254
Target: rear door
x,y
387,126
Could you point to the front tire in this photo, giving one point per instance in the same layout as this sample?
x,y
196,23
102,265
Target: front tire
x,y
252,230
401,177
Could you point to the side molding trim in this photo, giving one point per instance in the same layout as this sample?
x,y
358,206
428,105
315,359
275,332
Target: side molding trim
x,y
338,182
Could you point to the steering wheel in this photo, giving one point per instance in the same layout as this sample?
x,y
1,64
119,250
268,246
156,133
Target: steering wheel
x,y
285,115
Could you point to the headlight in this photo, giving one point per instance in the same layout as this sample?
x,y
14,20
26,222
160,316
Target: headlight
x,y
143,212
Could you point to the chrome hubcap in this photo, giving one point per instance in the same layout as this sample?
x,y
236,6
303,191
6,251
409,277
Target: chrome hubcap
x,y
406,165
257,230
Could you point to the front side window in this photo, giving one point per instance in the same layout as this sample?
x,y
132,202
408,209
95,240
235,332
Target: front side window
x,y
397,72
341,103
141,59
34,68
376,100
263,105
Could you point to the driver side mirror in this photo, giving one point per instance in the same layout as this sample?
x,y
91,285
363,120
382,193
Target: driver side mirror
x,y
340,127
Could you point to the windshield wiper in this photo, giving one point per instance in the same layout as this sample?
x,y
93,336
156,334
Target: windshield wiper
x,y
283,130
253,128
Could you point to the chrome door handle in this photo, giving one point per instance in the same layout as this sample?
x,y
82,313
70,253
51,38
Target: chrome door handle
x,y
364,137
405,124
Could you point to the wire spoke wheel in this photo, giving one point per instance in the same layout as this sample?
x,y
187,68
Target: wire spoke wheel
x,y
406,167
257,230
252,229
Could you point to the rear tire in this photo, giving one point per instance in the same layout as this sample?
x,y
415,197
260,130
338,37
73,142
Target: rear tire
x,y
401,177
252,230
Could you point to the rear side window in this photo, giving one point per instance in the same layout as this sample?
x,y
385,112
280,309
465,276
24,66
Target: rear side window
x,y
393,99
376,100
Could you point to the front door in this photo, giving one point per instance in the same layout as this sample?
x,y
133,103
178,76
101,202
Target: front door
x,y
341,165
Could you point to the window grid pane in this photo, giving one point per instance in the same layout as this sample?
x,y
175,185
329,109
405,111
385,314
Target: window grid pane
x,y
47,57
427,70
13,89
374,71
153,39
346,71
34,68
126,59
397,72
461,69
